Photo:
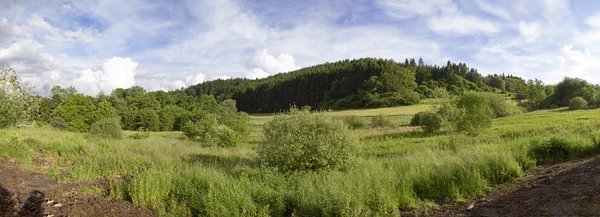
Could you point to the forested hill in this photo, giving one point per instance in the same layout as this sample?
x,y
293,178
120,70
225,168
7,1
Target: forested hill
x,y
358,83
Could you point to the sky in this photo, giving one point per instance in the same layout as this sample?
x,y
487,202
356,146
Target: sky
x,y
99,45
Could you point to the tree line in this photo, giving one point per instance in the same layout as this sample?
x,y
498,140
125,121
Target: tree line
x,y
358,83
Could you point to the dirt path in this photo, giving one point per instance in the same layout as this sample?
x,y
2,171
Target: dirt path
x,y
565,189
24,193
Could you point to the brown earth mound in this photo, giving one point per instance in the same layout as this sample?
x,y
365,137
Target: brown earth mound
x,y
564,189
24,193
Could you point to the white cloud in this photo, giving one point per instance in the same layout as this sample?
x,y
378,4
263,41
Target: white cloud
x,y
404,9
195,79
593,21
116,73
272,65
461,24
257,73
576,62
530,31
221,77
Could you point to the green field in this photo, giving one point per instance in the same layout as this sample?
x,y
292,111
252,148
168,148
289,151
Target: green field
x,y
399,167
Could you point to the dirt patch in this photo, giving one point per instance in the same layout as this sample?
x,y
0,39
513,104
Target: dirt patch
x,y
565,189
25,193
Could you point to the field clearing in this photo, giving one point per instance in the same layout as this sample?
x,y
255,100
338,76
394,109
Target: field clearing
x,y
399,168
405,112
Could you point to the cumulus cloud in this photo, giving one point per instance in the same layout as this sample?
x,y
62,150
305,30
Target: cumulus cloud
x,y
116,73
195,79
576,62
257,73
221,77
264,64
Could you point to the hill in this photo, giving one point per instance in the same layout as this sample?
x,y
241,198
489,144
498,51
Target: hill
x,y
358,83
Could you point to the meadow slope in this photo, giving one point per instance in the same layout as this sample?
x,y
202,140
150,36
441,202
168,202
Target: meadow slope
x,y
399,168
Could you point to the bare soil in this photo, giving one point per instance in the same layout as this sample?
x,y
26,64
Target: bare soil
x,y
25,193
564,189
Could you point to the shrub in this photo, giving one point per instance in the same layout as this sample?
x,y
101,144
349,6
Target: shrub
x,y
210,132
140,134
430,122
355,122
380,120
190,130
577,103
415,121
307,108
555,149
306,141
500,106
59,123
478,112
108,128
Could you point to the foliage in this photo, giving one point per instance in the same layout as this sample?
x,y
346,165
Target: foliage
x,y
191,130
355,122
415,120
478,113
380,120
358,83
59,123
500,106
78,111
577,103
109,127
140,134
430,122
567,90
18,103
307,141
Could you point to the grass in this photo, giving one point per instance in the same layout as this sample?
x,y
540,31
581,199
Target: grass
x,y
399,168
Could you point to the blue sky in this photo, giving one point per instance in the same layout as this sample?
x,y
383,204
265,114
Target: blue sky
x,y
97,46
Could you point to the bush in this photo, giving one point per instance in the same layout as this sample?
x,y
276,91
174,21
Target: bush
x,y
210,132
500,106
355,122
380,121
59,123
415,120
306,141
555,149
430,122
190,130
478,112
577,103
107,128
140,134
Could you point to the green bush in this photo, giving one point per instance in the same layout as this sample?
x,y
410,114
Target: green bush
x,y
305,141
415,120
577,103
555,149
355,122
380,120
500,106
430,122
59,123
190,130
210,132
478,112
107,128
140,134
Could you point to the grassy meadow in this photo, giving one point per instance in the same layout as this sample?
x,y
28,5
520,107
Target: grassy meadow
x,y
398,168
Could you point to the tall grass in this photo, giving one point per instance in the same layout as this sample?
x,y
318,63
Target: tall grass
x,y
399,171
